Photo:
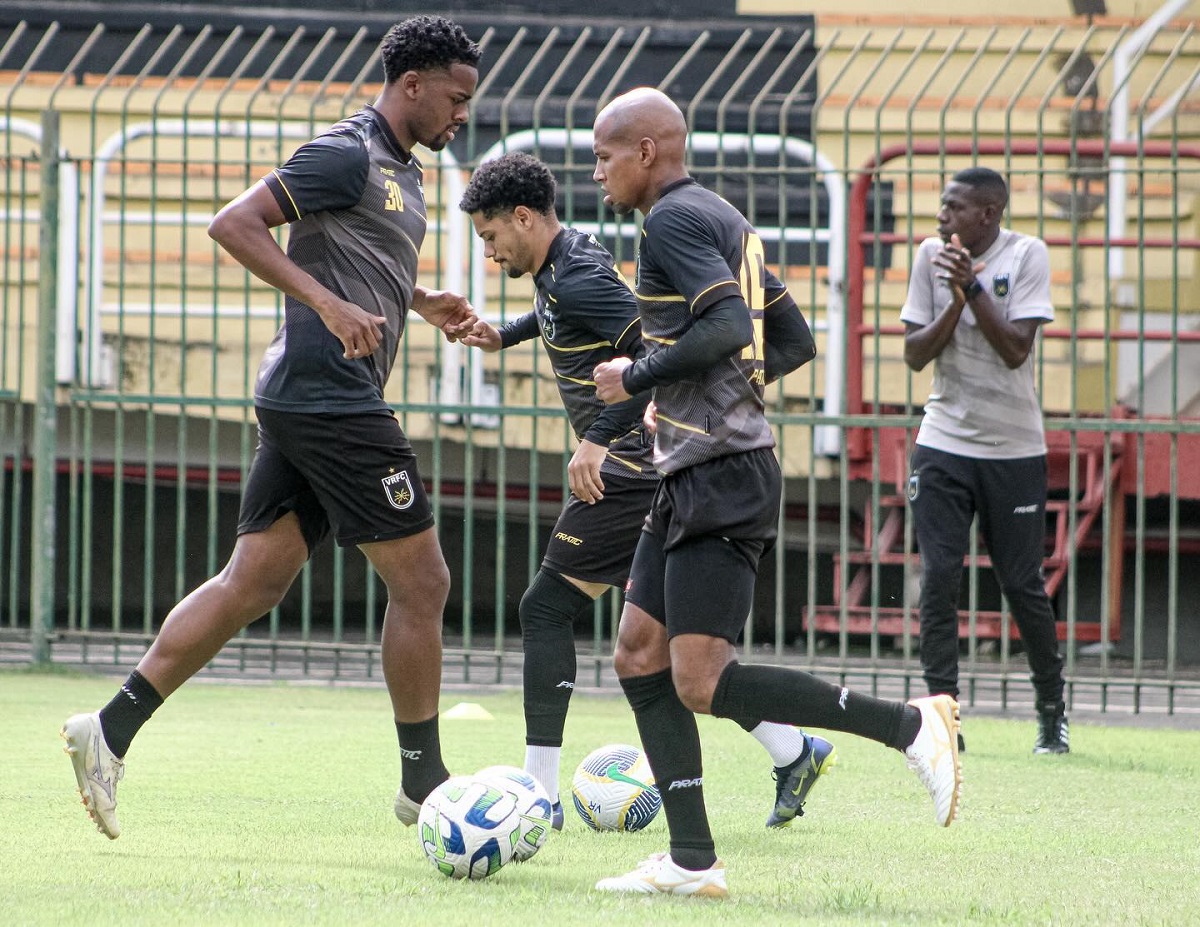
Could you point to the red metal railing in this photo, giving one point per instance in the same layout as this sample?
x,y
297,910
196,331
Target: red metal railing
x,y
858,239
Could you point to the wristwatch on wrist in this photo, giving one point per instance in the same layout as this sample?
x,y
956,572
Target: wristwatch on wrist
x,y
974,288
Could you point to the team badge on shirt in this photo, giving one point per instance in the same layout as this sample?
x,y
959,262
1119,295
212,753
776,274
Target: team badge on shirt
x,y
914,487
398,490
546,320
1000,285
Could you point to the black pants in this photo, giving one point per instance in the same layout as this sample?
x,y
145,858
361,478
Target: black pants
x,y
945,492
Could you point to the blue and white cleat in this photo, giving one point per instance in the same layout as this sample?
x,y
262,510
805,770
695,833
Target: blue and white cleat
x,y
794,781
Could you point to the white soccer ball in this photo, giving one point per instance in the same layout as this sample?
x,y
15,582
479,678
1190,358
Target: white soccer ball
x,y
533,804
614,789
469,827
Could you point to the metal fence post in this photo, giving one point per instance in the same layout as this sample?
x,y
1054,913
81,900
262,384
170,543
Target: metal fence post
x,y
41,600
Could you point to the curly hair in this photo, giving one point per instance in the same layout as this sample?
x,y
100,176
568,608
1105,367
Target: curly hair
x,y
511,180
425,43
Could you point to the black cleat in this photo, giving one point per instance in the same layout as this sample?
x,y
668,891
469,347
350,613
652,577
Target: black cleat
x,y
1054,732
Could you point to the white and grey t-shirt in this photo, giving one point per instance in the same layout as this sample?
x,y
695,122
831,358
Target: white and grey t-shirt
x,y
977,406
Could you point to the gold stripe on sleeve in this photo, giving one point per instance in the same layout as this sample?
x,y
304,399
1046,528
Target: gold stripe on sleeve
x,y
283,186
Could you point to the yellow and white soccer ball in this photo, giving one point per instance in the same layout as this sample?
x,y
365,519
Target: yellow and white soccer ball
x,y
613,789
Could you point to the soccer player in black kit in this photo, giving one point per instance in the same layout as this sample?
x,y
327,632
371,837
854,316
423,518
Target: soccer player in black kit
x,y
585,314
331,457
718,326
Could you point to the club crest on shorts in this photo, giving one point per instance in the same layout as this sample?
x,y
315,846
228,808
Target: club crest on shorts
x,y
914,486
398,489
1000,285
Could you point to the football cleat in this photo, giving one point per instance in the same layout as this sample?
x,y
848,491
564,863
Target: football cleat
x,y
1054,731
933,756
97,770
659,875
794,781
556,816
407,810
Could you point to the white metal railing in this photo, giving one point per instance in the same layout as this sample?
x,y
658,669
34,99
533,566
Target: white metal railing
x,y
68,244
96,371
1123,58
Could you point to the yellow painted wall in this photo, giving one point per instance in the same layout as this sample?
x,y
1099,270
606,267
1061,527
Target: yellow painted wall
x,y
962,10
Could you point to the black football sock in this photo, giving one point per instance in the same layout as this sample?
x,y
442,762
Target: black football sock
x,y
548,611
421,766
130,708
672,745
789,696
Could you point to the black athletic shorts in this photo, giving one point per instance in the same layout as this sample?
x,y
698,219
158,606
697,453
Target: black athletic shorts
x,y
709,525
595,543
355,473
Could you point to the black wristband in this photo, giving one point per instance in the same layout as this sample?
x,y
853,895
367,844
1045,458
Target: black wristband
x,y
974,288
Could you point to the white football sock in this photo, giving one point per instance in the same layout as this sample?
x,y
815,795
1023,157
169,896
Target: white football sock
x,y
542,764
784,742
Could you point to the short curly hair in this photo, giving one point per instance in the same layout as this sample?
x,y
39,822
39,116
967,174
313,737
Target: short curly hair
x,y
989,186
425,43
511,180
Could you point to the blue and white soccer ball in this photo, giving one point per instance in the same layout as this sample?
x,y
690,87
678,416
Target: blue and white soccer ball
x,y
614,789
533,804
469,828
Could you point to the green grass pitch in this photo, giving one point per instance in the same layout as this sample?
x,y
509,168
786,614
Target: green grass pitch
x,y
271,804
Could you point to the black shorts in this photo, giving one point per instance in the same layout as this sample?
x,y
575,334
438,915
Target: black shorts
x,y
697,561
355,473
595,543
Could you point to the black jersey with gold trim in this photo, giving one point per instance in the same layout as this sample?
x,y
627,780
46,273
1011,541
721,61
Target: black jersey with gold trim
x,y
696,250
586,314
356,206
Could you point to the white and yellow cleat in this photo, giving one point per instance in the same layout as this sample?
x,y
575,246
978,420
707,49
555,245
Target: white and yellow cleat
x,y
97,770
933,756
659,875
407,810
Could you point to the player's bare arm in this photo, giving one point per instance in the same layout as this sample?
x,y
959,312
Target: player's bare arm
x,y
923,343
1012,340
583,472
243,228
447,311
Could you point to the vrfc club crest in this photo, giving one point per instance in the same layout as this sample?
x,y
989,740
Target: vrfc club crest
x,y
914,487
1000,285
398,489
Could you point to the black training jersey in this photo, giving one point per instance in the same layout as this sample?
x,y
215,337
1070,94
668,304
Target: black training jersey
x,y
354,199
696,250
586,314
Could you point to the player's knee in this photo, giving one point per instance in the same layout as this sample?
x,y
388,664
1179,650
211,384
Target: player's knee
x,y
695,690
423,588
255,592
550,604
634,661
435,583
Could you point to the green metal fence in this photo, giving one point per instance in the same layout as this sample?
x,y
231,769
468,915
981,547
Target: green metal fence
x,y
130,342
